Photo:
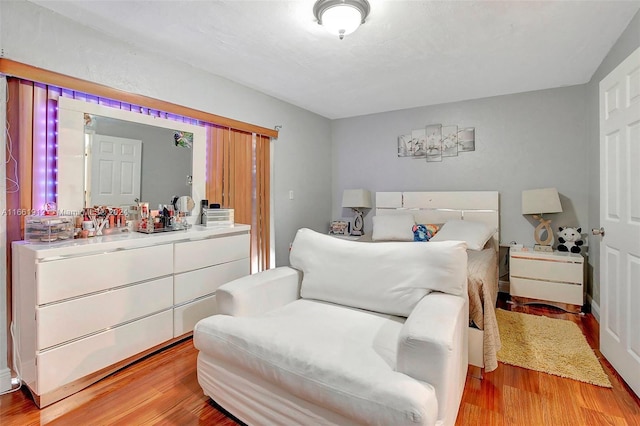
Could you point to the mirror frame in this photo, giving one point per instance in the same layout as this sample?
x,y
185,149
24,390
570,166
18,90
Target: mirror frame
x,y
71,155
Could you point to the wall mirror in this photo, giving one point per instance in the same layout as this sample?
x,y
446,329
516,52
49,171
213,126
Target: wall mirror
x,y
161,160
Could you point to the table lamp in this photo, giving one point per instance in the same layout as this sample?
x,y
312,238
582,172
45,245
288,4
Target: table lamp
x,y
356,199
538,202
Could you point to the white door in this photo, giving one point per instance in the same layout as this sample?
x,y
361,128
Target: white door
x,y
115,171
620,218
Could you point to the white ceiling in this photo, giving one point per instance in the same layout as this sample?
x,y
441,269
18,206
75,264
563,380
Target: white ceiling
x,y
407,54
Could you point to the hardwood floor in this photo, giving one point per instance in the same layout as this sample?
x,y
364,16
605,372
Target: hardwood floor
x,y
517,396
163,389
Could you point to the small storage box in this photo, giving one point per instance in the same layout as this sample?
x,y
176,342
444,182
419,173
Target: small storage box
x,y
48,228
213,217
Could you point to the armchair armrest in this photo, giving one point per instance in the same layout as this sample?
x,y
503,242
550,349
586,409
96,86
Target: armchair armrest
x,y
259,293
433,348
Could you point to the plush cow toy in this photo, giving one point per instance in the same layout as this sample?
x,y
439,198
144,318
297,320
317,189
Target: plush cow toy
x,y
570,239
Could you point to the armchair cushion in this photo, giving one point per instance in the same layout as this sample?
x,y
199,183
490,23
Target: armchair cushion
x,y
389,278
330,355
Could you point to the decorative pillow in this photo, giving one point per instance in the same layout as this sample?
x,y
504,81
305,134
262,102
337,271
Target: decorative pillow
x,y
390,278
475,234
424,232
397,227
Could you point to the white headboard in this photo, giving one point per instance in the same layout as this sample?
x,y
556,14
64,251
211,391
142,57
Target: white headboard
x,y
441,206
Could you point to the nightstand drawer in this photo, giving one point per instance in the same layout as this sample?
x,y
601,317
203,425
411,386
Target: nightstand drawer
x,y
545,290
542,269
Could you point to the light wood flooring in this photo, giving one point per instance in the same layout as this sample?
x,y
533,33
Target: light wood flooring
x,y
163,389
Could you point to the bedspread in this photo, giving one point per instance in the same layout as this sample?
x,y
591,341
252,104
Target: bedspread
x,y
483,293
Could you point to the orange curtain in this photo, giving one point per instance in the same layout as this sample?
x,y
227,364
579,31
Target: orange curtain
x,y
238,173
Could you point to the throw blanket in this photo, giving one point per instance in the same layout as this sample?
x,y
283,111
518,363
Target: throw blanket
x,y
483,293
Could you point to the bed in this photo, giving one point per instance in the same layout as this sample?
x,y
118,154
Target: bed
x,y
478,206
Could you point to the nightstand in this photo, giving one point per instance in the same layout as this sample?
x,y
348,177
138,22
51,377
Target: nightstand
x,y
555,278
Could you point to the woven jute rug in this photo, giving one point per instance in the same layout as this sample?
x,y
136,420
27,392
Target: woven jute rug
x,y
553,346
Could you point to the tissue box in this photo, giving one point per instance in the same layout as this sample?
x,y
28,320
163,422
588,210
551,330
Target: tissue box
x,y
48,228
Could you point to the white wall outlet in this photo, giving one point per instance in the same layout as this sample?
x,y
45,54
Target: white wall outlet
x,y
291,194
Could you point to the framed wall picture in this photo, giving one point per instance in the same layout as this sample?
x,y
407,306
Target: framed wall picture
x,y
340,227
405,146
434,143
449,141
419,143
467,139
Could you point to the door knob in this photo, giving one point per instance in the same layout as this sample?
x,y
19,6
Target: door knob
x,y
596,231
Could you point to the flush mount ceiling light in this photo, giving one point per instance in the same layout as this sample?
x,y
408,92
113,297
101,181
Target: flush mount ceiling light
x,y
341,17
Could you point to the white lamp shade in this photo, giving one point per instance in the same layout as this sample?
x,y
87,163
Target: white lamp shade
x,y
356,198
539,201
341,19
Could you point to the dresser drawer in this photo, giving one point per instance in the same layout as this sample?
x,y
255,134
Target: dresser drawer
x,y
211,251
186,316
60,322
549,270
67,363
77,276
545,290
201,282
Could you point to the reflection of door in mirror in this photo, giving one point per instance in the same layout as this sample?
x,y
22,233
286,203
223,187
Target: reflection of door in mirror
x,y
114,165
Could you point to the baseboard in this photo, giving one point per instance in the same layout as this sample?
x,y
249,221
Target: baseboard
x,y
5,380
595,308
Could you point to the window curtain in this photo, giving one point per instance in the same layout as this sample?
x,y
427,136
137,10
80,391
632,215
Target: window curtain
x,y
238,177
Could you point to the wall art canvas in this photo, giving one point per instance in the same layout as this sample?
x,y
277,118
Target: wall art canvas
x,y
405,147
467,139
419,143
449,141
434,143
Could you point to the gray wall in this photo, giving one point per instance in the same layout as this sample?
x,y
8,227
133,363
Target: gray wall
x,y
523,141
628,42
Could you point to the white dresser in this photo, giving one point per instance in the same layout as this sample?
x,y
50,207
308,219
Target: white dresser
x,y
554,278
83,309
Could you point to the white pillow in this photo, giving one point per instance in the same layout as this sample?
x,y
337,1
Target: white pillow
x,y
397,227
476,234
389,278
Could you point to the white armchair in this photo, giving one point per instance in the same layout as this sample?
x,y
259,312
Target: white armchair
x,y
351,333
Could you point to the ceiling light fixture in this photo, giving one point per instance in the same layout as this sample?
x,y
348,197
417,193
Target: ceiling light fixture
x,y
341,17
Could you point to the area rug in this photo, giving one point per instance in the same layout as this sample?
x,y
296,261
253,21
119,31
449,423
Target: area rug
x,y
549,345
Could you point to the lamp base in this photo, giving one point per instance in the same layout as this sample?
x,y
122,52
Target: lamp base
x,y
358,221
540,247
